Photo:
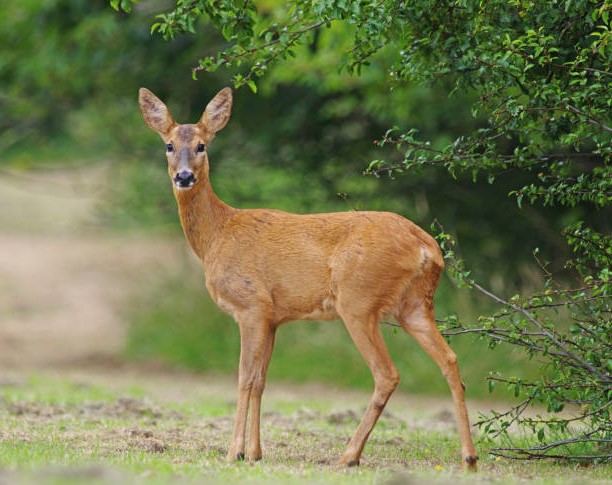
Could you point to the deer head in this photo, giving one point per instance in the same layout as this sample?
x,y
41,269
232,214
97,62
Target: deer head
x,y
186,144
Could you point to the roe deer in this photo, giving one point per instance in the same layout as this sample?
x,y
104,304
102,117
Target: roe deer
x,y
266,267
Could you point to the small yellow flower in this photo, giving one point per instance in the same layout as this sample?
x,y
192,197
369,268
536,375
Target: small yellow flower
x,y
438,468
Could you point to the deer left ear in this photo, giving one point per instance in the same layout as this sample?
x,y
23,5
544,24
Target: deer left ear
x,y
217,112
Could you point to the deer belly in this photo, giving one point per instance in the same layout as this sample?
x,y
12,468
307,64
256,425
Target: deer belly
x,y
325,310
301,305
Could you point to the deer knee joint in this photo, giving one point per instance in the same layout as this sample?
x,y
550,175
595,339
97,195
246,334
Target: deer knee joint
x,y
245,385
450,365
391,381
385,388
258,387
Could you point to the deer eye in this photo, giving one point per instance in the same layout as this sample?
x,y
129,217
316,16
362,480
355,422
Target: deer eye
x,y
169,147
200,148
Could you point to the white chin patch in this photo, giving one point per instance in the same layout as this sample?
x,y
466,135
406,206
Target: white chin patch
x,y
183,187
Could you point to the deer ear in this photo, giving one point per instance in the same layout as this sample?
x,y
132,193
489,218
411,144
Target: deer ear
x,y
154,112
218,110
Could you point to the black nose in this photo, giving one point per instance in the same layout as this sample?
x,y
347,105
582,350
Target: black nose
x,y
184,178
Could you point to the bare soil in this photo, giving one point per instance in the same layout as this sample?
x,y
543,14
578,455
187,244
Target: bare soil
x,y
63,280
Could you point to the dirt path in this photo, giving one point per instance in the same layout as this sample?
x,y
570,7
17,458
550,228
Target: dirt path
x,y
60,296
63,280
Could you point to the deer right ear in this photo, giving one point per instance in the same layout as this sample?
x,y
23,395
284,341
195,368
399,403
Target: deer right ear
x,y
154,112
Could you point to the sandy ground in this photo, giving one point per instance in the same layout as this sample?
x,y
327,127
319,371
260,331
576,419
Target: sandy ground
x,y
63,280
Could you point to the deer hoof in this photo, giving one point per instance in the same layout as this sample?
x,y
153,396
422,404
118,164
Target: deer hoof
x,y
471,461
353,463
240,456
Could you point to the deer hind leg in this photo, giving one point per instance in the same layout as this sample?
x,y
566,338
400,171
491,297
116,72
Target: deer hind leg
x,y
256,343
368,339
421,325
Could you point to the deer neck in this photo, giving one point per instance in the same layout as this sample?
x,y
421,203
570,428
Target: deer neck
x,y
202,215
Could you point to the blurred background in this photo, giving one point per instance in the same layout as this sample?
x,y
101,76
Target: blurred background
x,y
93,263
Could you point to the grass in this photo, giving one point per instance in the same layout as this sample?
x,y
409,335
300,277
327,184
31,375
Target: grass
x,y
68,430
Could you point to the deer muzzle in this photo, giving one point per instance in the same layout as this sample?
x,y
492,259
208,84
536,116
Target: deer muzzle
x,y
184,179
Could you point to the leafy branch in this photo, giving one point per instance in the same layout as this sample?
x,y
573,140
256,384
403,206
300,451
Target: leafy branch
x,y
578,371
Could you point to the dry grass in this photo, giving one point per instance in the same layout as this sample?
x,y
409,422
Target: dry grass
x,y
125,424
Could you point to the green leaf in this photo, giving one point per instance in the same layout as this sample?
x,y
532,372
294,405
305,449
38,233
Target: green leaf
x,y
251,84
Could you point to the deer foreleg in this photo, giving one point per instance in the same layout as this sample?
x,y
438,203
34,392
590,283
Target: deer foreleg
x,y
255,339
254,443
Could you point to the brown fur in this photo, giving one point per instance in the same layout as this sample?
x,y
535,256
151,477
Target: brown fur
x,y
266,267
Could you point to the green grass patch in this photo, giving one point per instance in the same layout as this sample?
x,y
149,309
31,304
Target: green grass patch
x,y
55,430
61,152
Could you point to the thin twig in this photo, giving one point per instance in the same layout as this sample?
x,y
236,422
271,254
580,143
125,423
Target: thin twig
x,y
535,322
246,52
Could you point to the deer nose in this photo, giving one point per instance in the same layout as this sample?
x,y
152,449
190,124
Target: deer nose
x,y
184,179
